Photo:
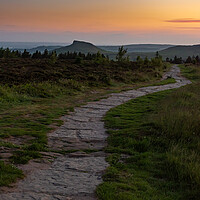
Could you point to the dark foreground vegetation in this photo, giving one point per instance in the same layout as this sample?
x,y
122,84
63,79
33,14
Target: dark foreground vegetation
x,y
154,146
35,91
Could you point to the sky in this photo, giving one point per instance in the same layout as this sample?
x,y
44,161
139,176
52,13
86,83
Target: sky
x,y
102,22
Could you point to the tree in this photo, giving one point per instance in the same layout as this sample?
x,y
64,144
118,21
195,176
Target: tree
x,y
6,53
26,54
197,59
140,62
157,62
175,59
188,60
53,57
45,54
37,55
146,62
120,55
17,54
178,60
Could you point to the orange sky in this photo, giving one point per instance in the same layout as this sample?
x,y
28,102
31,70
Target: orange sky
x,y
171,18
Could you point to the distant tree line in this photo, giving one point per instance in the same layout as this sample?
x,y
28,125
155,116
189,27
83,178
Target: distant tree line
x,y
121,58
157,61
179,60
7,53
193,60
75,55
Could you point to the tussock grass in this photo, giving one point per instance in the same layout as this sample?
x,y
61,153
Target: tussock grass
x,y
191,72
8,174
179,123
154,146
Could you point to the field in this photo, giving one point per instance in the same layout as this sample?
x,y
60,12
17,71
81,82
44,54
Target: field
x,y
35,93
153,146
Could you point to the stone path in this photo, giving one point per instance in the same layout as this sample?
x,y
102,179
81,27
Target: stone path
x,y
75,176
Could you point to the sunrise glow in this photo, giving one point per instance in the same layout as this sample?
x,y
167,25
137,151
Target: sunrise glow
x,y
137,21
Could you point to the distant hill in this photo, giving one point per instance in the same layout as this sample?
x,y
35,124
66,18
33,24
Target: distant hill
x,y
181,51
171,52
80,46
134,50
28,45
138,47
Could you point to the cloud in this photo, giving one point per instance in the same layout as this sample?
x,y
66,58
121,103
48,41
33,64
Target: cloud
x,y
189,20
189,28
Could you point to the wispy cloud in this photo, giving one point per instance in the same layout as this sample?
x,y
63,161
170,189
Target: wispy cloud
x,y
187,20
189,28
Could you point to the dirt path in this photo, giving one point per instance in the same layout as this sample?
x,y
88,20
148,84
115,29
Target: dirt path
x,y
75,176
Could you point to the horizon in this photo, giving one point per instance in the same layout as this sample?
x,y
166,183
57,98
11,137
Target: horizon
x,y
71,42
103,22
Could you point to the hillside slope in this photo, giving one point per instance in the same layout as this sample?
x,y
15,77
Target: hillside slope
x,y
138,47
181,51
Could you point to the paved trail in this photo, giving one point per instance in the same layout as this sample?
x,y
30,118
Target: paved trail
x,y
76,175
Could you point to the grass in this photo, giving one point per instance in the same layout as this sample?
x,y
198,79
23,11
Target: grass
x,y
34,94
9,174
191,72
154,146
164,82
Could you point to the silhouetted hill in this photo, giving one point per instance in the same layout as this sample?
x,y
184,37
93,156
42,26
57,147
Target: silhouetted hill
x,y
80,46
181,51
138,47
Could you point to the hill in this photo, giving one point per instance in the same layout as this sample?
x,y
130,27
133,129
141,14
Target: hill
x,y
171,52
29,45
80,46
138,47
181,51
134,55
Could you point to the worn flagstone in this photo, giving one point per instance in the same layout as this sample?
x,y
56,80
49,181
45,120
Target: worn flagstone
x,y
75,176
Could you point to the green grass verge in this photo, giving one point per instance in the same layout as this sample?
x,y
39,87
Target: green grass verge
x,y
8,174
164,82
191,72
154,147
